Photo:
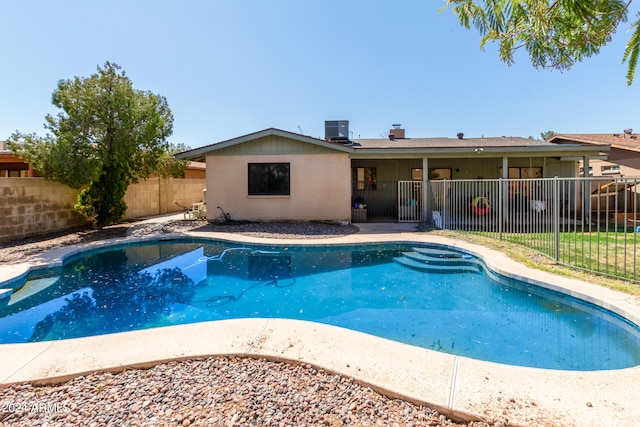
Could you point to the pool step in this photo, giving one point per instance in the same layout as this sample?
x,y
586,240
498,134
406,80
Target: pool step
x,y
434,268
5,294
427,259
439,253
436,261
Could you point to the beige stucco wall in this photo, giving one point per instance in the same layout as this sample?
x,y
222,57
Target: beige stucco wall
x,y
32,206
629,168
320,188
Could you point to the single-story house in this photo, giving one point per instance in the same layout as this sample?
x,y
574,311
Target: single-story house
x,y
623,159
274,175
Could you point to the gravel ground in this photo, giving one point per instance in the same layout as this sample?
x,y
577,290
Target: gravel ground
x,y
277,230
219,391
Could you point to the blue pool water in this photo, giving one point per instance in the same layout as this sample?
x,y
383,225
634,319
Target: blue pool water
x,y
420,295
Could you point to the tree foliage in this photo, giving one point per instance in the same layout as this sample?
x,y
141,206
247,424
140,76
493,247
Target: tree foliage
x,y
555,34
107,136
169,166
547,135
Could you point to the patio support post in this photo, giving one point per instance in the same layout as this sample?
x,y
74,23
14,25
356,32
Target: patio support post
x,y
504,199
426,192
500,208
556,219
586,192
505,167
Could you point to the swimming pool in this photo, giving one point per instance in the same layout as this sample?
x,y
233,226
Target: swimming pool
x,y
422,295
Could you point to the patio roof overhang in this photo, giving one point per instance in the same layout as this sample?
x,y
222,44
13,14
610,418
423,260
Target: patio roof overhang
x,y
566,152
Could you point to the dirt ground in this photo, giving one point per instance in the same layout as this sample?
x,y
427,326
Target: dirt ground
x,y
21,250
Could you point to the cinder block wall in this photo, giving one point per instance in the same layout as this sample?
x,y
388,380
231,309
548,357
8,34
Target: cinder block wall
x,y
162,196
142,199
184,192
32,206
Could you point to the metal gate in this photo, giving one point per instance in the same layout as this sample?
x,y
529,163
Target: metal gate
x,y
410,201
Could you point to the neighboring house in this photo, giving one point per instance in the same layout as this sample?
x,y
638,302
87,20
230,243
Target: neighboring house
x,y
196,170
624,156
278,175
14,167
11,166
616,179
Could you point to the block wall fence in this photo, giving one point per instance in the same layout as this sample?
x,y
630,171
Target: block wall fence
x,y
33,206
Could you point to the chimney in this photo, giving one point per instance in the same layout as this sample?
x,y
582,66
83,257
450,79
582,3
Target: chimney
x,y
460,135
396,132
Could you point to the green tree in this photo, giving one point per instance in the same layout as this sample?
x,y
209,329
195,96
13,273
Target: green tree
x,y
548,135
555,34
107,136
169,165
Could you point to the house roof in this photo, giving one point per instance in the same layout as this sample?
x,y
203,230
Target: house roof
x,y
485,146
622,141
197,166
198,154
448,142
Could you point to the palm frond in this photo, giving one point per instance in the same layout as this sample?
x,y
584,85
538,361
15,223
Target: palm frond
x,y
632,51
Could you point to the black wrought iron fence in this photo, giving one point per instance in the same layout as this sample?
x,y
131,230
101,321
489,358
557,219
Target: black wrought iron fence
x,y
587,223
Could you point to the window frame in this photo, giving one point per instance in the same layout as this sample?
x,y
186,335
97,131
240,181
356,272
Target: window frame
x,y
273,187
523,170
365,178
609,169
435,174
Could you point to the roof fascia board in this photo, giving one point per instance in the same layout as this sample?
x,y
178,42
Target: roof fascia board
x,y
626,148
578,158
493,151
203,151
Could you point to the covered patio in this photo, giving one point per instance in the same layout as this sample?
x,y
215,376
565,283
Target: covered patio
x,y
389,180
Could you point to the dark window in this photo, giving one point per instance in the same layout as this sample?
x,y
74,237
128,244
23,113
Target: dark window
x,y
523,173
365,178
440,173
269,179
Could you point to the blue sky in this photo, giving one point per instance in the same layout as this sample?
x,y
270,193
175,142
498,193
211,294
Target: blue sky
x,y
228,68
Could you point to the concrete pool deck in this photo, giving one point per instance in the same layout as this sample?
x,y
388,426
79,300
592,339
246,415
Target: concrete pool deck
x,y
459,387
